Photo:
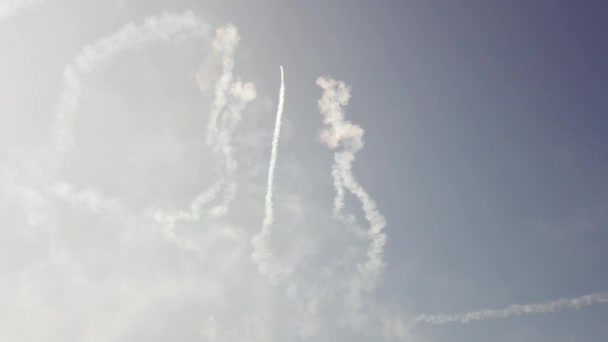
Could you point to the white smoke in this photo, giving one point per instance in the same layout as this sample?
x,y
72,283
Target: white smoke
x,y
231,96
128,277
164,27
340,132
516,310
262,255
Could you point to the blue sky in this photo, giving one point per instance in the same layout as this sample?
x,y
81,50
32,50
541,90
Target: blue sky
x,y
484,150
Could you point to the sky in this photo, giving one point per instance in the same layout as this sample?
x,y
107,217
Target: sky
x,y
303,171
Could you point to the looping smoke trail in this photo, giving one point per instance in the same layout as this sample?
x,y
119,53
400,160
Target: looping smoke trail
x,y
262,255
231,96
223,121
163,27
160,28
516,310
341,132
166,27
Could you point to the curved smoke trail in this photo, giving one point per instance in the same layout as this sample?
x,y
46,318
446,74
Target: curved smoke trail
x,y
231,96
341,132
262,255
163,27
269,216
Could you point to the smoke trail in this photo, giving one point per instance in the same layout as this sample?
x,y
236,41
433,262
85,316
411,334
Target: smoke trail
x,y
166,27
341,132
231,96
223,121
224,45
516,310
269,217
262,255
163,27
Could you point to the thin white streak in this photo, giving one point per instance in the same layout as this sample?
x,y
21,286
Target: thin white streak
x,y
516,310
269,215
262,255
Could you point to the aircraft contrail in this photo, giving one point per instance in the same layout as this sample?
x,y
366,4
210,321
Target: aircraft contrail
x,y
516,310
262,255
341,132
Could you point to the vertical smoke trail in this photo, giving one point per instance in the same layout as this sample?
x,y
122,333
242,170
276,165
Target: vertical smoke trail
x,y
268,217
341,132
241,94
516,310
262,255
230,99
223,45
231,96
